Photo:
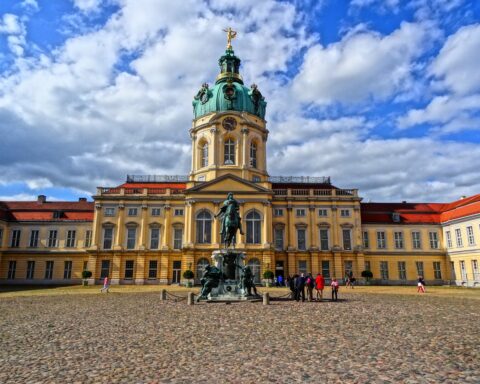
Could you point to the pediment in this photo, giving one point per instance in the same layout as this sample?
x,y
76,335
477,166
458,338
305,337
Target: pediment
x,y
228,183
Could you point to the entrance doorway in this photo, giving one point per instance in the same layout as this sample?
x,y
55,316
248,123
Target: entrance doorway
x,y
177,269
279,269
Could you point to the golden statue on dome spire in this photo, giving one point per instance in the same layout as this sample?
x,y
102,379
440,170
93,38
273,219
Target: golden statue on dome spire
x,y
230,36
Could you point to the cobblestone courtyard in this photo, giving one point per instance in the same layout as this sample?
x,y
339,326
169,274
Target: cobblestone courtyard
x,y
135,338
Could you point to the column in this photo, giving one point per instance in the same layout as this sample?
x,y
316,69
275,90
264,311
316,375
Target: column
x,y
244,144
187,262
191,225
92,266
215,147
194,151
335,243
264,151
97,227
267,224
313,237
140,269
166,239
143,228
357,230
116,266
120,227
241,239
163,275
290,235
291,263
216,225
337,270
360,265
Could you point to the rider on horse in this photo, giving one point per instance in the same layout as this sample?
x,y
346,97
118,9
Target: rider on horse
x,y
230,216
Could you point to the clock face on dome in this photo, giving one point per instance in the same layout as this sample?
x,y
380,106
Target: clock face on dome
x,y
229,123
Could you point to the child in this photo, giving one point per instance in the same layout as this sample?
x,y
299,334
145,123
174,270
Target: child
x,y
105,285
421,285
334,286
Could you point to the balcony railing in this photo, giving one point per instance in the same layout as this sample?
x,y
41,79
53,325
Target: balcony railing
x,y
300,179
316,192
157,178
139,191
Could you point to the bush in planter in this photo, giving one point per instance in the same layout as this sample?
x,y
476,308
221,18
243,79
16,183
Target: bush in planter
x,y
188,275
86,275
367,275
268,275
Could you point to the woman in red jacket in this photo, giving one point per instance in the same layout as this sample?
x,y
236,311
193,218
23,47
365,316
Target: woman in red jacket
x,y
319,286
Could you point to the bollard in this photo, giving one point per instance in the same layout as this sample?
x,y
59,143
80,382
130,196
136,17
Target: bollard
x,y
163,295
190,300
266,298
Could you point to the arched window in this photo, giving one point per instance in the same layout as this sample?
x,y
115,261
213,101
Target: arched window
x,y
201,264
254,265
205,155
253,155
204,227
229,152
254,222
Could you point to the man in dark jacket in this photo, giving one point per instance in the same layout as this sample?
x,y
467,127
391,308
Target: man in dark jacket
x,y
300,287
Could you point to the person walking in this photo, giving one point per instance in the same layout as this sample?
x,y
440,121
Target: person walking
x,y
300,287
310,284
319,286
351,279
105,285
421,285
334,286
280,281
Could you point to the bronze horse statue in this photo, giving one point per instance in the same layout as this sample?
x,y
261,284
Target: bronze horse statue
x,y
231,221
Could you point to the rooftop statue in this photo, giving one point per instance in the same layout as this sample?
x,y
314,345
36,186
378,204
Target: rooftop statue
x,y
231,221
230,36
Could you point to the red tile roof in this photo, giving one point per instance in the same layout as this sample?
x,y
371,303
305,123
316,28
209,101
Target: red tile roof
x,y
461,208
410,213
36,211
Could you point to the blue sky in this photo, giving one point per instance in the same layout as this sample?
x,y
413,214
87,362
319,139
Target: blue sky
x,y
383,96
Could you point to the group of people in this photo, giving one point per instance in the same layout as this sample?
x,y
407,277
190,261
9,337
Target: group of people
x,y
302,286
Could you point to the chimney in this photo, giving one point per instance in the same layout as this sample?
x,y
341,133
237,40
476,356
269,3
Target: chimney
x,y
41,199
82,199
463,197
404,202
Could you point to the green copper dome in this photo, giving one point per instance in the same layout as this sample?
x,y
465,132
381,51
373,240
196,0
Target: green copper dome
x,y
229,93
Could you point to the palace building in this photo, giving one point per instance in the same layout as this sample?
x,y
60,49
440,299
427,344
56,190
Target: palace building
x,y
151,229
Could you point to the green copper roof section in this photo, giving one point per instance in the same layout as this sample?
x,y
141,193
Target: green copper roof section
x,y
229,93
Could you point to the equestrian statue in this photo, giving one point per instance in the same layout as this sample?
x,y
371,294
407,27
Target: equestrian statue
x,y
231,221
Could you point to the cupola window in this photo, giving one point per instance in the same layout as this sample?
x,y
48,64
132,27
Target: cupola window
x,y
253,155
229,150
205,155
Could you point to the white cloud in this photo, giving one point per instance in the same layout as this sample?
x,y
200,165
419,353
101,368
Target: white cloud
x,y
456,66
10,24
87,6
362,66
30,5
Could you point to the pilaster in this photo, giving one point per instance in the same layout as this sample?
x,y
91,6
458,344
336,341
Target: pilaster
x,y
143,228
120,227
140,269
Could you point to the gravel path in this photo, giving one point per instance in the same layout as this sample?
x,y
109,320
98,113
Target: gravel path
x,y
135,338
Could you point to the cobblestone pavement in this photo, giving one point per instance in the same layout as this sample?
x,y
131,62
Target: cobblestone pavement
x,y
135,338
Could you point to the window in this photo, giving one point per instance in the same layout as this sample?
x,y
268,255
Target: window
x,y
34,238
254,221
476,274
107,237
322,212
437,272
205,155
463,270
325,268
129,269
70,242
458,235
384,270
201,178
253,155
12,267
131,237
256,179
229,152
204,227
152,269
348,266
419,265
381,240
57,214
302,266
279,238
67,270
449,239
15,241
30,269
177,238
347,239
154,238
109,211
471,238
156,211
366,240
367,266
416,241
105,269
254,265
52,238
345,213
278,212
324,241
48,270
132,211
402,270
88,238
398,239
301,239
433,236
178,212
300,212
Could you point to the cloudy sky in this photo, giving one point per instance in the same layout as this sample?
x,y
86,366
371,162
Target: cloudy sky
x,y
381,95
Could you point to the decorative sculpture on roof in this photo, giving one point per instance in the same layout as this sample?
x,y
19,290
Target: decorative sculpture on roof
x,y
231,34
257,99
204,94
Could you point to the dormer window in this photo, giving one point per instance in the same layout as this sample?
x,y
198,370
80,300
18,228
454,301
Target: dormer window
x,y
57,214
396,217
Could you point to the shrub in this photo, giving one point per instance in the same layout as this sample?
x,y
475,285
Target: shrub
x,y
367,274
86,274
188,274
268,275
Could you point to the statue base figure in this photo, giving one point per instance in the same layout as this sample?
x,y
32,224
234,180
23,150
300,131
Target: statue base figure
x,y
230,281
